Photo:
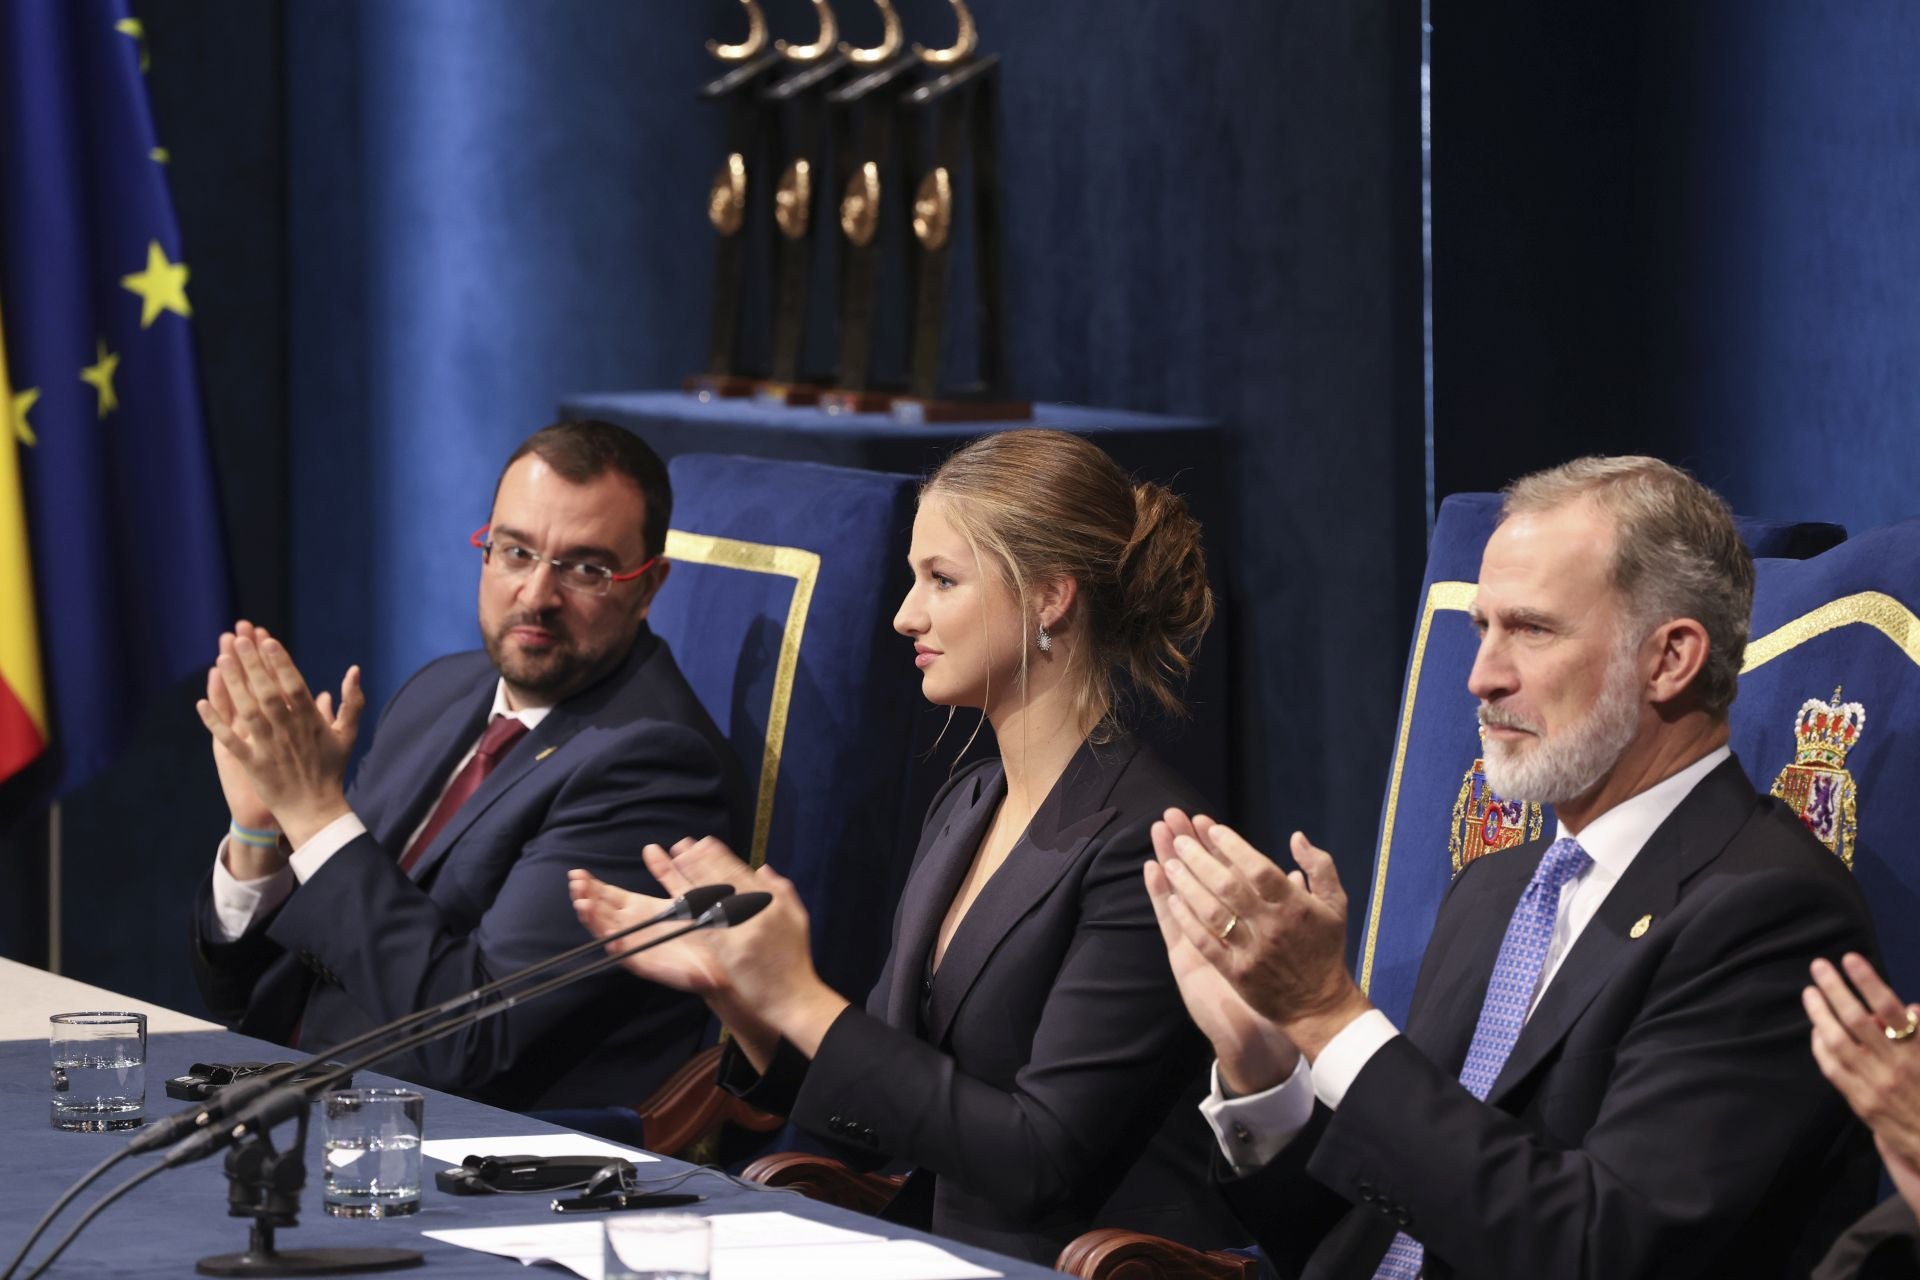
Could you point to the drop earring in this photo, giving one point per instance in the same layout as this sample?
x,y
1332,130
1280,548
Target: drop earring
x,y
1043,640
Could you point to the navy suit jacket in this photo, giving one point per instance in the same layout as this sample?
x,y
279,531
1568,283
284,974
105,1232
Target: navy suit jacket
x,y
1052,1083
1660,1114
632,760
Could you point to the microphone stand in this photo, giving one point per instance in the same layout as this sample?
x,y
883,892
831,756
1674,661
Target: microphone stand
x,y
265,1184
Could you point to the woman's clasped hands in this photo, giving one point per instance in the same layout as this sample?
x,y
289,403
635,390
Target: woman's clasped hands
x,y
758,975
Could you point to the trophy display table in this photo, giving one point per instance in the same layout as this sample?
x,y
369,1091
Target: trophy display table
x,y
1186,453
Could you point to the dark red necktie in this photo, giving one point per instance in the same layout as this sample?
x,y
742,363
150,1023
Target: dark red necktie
x,y
502,732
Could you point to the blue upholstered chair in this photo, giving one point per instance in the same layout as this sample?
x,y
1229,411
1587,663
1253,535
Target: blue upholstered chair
x,y
779,610
1438,814
786,577
1828,711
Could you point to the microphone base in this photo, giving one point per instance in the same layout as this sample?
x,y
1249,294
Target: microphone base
x,y
308,1262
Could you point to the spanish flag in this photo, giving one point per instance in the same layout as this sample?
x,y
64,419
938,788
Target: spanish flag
x,y
23,698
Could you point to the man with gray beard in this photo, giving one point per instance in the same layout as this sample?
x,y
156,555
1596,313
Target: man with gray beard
x,y
1604,1070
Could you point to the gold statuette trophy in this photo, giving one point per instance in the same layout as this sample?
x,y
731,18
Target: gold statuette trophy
x,y
962,101
739,179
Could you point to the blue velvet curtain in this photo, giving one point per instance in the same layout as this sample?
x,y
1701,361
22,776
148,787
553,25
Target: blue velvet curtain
x,y
494,203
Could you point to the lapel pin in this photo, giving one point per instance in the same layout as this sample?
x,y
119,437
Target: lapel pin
x,y
545,752
1640,927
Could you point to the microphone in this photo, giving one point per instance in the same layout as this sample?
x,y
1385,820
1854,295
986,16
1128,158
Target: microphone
x,y
264,1109
694,904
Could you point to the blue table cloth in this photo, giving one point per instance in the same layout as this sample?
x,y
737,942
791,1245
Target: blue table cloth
x,y
164,1225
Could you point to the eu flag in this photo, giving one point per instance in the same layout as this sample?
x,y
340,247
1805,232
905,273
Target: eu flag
x,y
102,397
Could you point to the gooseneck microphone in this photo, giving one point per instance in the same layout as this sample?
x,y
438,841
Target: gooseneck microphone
x,y
693,904
282,1101
260,1101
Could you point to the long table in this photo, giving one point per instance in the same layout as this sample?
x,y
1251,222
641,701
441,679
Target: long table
x,y
163,1226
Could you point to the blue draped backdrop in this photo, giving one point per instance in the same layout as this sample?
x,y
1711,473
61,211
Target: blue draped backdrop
x,y
417,224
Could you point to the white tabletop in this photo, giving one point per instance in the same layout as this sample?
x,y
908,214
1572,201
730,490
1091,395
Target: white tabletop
x,y
29,996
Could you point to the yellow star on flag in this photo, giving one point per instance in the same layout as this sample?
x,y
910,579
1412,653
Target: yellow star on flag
x,y
131,27
99,376
23,402
162,286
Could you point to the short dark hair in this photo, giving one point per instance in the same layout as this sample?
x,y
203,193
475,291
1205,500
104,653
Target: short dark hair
x,y
585,449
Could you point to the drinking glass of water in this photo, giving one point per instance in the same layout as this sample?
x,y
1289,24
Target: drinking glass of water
x,y
657,1246
370,1152
99,1070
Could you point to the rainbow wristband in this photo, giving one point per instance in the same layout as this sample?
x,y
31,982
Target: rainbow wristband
x,y
269,839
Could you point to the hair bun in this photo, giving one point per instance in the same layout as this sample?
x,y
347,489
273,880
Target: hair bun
x,y
1166,602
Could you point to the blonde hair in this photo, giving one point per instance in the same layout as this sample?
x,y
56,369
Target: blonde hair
x,y
1676,553
1038,506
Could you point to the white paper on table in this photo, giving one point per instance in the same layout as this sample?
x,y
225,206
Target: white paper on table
x,y
776,1230
865,1260
787,1247
454,1150
577,1246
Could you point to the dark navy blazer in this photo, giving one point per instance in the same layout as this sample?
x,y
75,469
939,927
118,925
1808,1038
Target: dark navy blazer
x,y
1046,1080
632,760
1660,1115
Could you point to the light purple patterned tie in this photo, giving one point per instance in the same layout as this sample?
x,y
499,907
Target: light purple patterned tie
x,y
1516,975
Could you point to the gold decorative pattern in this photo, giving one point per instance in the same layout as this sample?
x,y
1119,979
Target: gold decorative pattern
x,y
933,209
727,198
1456,597
1483,823
793,198
1873,609
860,206
803,567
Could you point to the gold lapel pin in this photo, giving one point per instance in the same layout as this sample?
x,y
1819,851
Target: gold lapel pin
x,y
547,751
1640,927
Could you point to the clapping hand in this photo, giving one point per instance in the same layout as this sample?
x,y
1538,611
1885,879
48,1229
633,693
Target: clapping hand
x,y
1278,939
1865,1045
281,752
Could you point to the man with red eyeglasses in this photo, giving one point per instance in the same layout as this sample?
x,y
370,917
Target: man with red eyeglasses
x,y
571,741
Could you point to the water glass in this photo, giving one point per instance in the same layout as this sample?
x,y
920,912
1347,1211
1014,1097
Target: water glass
x,y
99,1070
657,1246
370,1152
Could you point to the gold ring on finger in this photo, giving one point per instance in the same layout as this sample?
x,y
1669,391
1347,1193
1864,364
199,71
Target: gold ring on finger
x,y
1234,923
1895,1034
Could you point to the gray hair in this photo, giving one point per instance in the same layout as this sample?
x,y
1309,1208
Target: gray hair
x,y
1676,553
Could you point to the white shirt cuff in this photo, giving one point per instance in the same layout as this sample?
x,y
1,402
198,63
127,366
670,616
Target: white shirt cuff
x,y
237,903
327,841
1254,1129
1351,1048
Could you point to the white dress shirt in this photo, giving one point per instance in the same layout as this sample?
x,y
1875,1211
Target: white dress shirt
x,y
238,903
1253,1130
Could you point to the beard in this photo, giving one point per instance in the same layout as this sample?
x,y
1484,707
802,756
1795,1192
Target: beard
x,y
553,672
1570,763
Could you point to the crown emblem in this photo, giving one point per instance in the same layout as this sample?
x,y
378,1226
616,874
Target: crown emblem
x,y
1483,823
1817,786
1826,731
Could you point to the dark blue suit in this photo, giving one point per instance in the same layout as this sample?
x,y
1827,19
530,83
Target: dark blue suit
x,y
632,760
1660,1114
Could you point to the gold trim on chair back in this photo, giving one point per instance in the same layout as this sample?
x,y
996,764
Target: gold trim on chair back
x,y
803,567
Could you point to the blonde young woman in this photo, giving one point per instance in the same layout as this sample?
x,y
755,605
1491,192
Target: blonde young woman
x,y
1025,1050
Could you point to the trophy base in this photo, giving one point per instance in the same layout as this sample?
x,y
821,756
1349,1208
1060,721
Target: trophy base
x,y
791,394
840,400
718,386
918,410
